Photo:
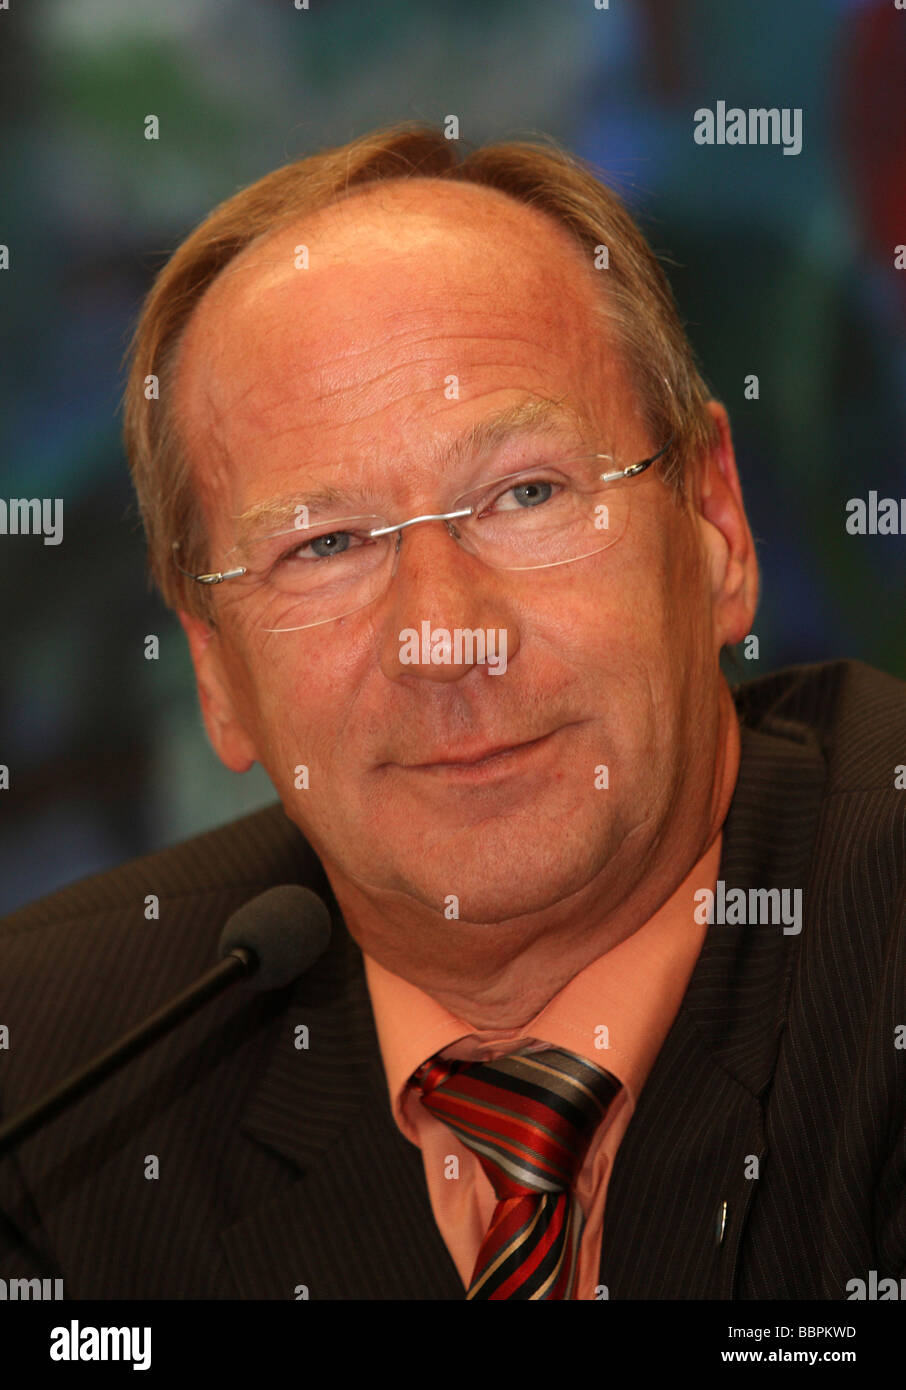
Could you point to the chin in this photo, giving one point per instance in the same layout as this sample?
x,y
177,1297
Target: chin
x,y
473,887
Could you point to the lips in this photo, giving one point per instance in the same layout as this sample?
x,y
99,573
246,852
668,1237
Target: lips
x,y
479,755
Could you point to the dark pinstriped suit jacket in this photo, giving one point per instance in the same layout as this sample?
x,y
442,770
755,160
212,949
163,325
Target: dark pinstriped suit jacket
x,y
281,1167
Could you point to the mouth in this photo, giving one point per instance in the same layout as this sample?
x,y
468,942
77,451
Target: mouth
x,y
483,756
485,760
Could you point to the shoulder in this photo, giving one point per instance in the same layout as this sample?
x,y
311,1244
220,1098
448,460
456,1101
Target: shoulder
x,y
851,714
823,782
246,854
142,930
92,960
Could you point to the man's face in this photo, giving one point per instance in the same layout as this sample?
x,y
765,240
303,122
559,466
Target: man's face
x,y
339,374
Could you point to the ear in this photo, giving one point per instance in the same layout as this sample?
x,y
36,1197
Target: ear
x,y
228,736
727,537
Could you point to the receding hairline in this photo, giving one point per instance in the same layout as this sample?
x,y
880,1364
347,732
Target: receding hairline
x,y
407,194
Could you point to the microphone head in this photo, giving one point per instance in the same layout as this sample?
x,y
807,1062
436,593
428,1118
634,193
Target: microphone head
x,y
286,928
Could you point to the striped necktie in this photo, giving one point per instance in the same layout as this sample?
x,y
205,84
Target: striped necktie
x,y
530,1118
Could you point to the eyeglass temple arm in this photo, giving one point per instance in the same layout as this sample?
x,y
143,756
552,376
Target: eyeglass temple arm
x,y
217,578
634,468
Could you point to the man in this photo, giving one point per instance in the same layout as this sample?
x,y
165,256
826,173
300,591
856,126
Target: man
x,y
457,539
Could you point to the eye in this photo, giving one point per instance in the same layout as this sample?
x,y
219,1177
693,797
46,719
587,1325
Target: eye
x,y
323,547
530,492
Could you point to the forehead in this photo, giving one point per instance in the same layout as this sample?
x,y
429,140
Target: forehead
x,y
407,244
405,284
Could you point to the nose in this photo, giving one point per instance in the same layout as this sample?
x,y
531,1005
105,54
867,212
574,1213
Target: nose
x,y
445,612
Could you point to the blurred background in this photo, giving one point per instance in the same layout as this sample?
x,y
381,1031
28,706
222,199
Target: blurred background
x,y
783,266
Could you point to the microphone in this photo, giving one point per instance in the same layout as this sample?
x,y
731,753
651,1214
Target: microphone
x,y
285,930
270,940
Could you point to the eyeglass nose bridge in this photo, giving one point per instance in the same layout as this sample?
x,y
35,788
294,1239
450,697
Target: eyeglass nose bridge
x,y
416,520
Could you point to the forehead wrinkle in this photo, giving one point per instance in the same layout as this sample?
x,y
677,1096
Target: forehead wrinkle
x,y
266,394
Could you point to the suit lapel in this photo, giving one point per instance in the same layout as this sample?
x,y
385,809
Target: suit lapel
x,y
357,1221
690,1146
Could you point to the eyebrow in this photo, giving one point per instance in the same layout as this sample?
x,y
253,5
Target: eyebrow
x,y
536,415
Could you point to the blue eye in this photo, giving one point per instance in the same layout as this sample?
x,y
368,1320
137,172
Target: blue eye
x,y
332,539
531,493
323,547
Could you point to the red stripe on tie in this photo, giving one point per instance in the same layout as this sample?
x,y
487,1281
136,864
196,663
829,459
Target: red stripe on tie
x,y
523,1275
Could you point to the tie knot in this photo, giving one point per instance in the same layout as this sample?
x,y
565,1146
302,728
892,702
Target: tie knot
x,y
529,1117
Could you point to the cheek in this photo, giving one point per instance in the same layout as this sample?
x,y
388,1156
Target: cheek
x,y
296,688
631,635
612,614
